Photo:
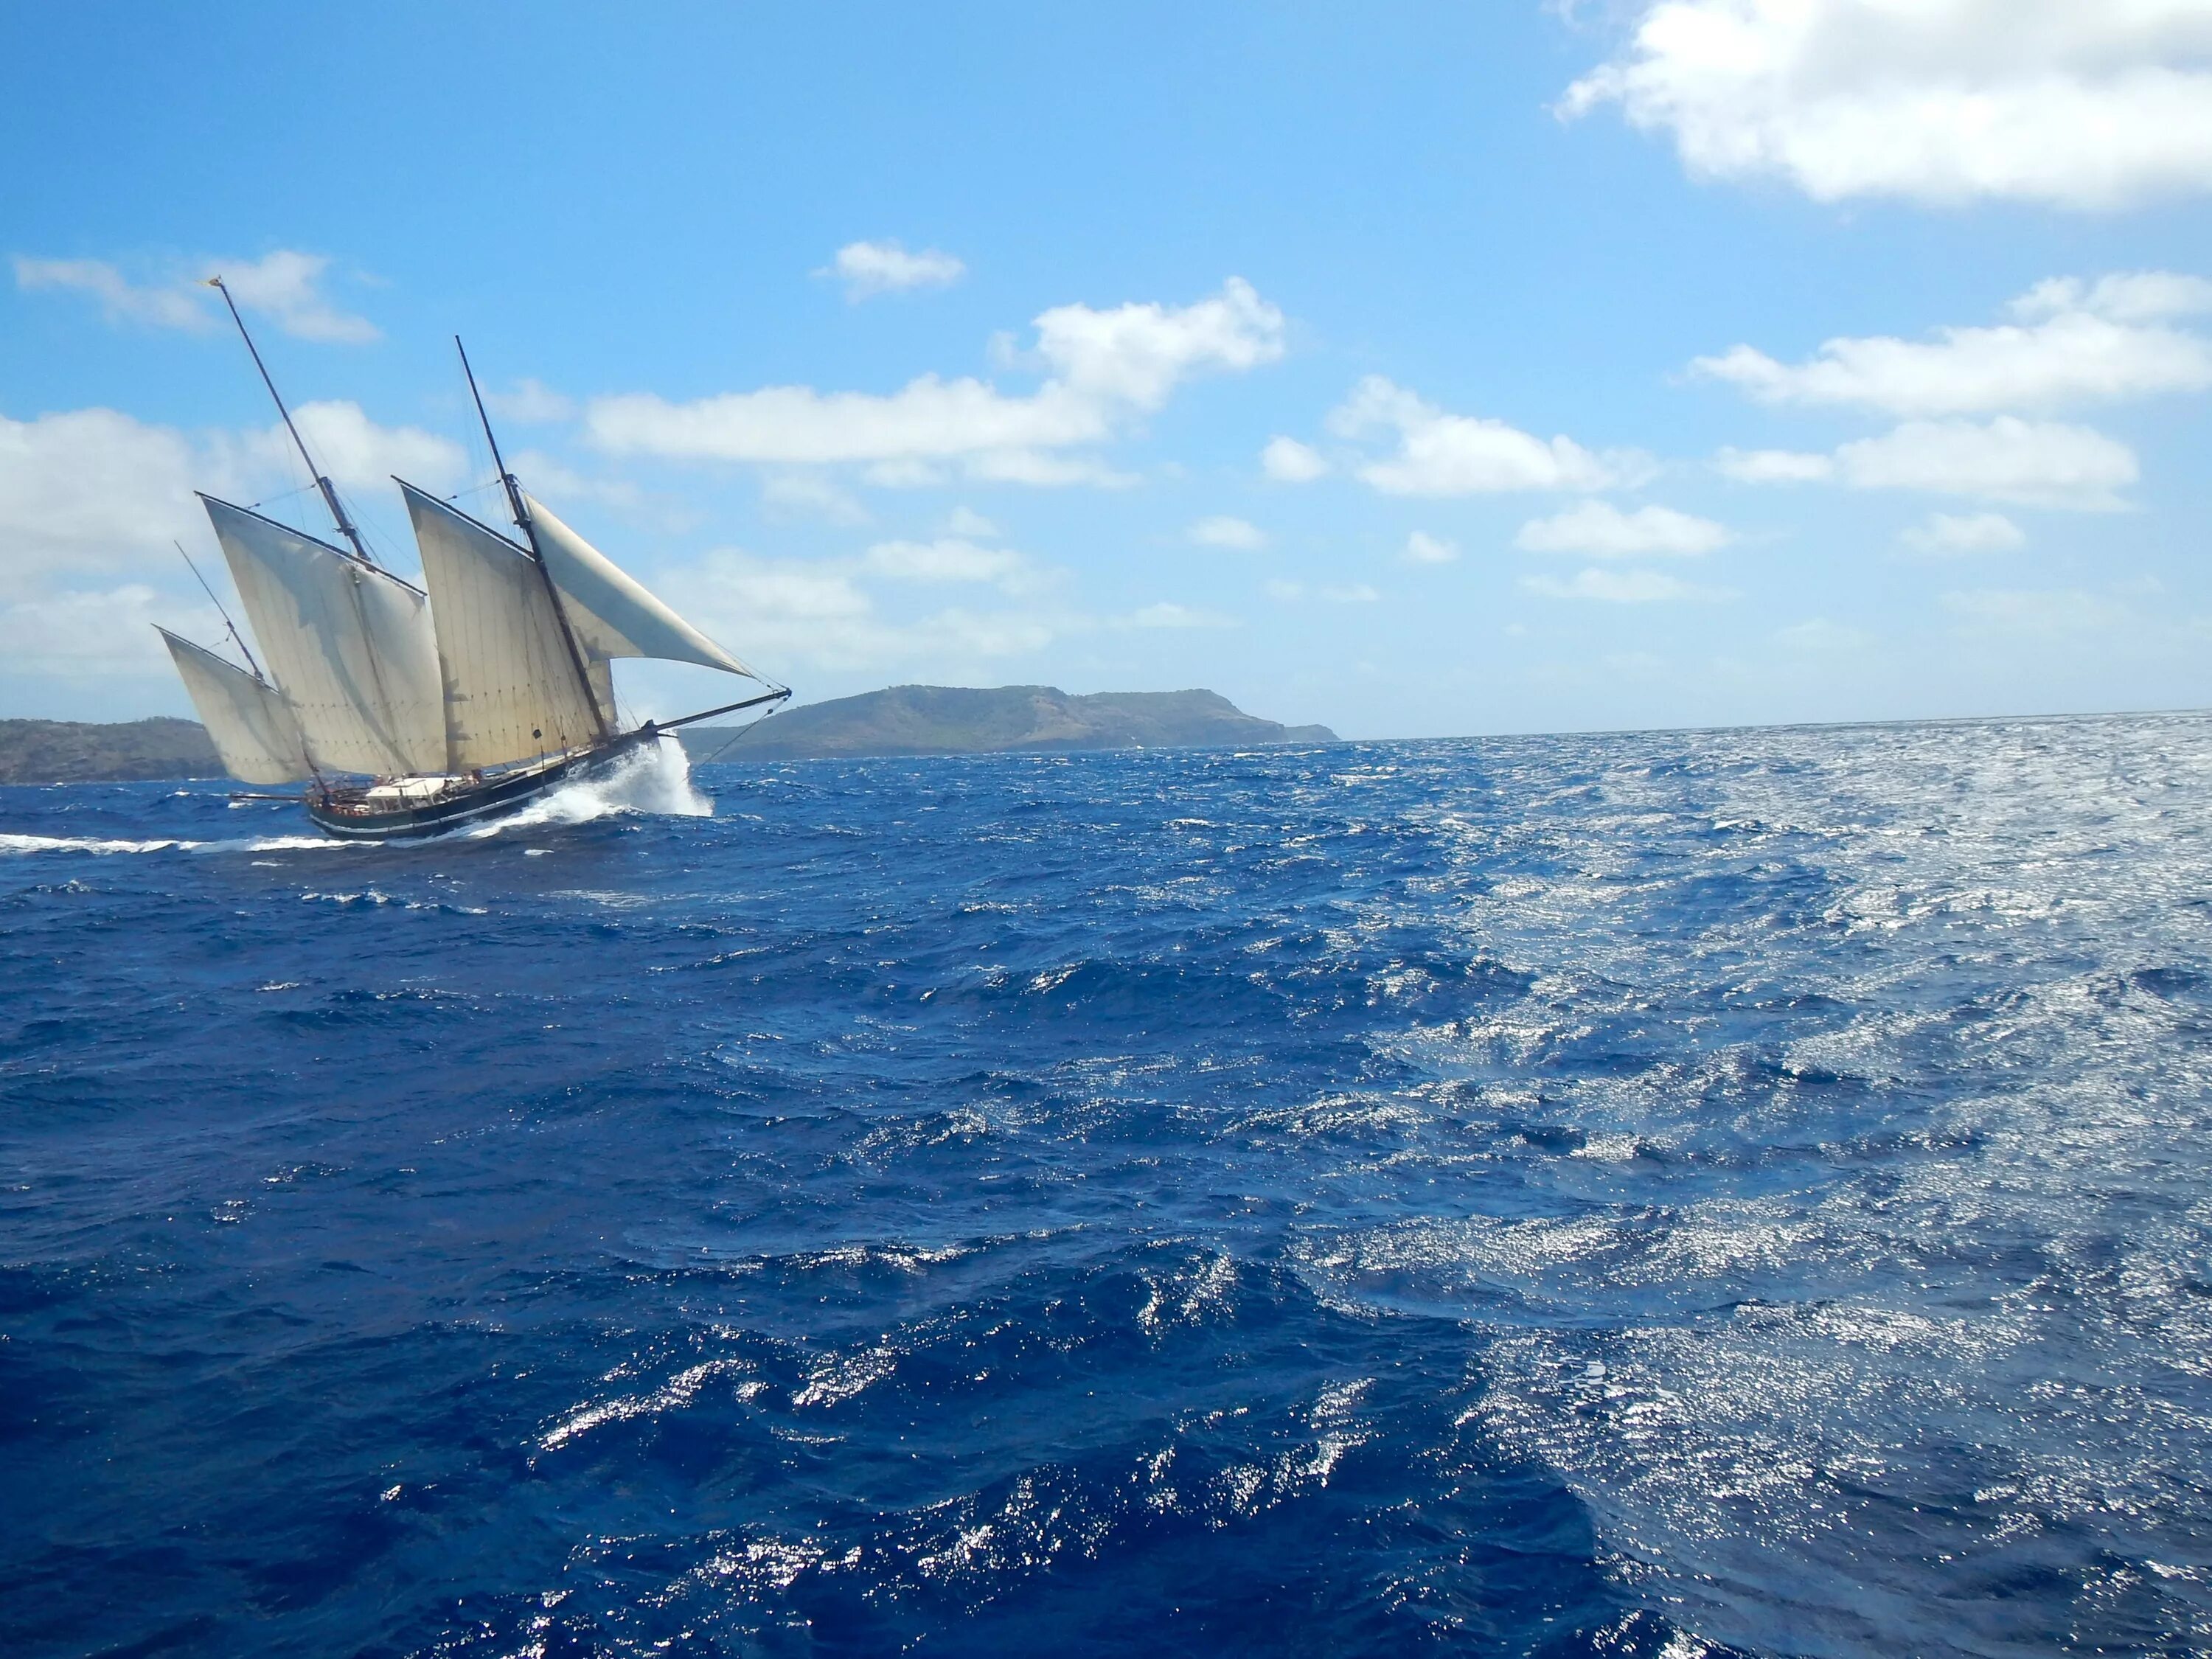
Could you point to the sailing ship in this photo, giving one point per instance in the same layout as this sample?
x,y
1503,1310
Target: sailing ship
x,y
410,711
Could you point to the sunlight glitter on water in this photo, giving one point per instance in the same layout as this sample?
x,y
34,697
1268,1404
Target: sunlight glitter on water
x,y
1679,1194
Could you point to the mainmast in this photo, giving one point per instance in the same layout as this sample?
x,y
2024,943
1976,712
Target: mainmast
x,y
521,510
329,491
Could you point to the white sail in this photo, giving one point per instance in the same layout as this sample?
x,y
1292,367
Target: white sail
x,y
513,685
612,614
351,647
252,730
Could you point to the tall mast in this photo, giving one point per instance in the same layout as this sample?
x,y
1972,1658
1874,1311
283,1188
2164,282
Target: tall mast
x,y
521,511
329,491
515,504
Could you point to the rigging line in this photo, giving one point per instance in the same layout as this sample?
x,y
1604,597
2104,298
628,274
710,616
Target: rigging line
x,y
285,495
236,638
744,732
329,490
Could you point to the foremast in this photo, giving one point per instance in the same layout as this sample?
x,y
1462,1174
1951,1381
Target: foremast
x,y
520,509
338,515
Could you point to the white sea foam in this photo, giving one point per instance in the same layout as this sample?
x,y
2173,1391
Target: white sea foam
x,y
83,844
654,779
23,845
675,1394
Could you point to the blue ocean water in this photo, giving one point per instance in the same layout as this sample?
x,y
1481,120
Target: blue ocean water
x,y
1651,1194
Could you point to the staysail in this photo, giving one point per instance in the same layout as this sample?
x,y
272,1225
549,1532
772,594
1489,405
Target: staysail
x,y
351,646
253,729
612,613
513,686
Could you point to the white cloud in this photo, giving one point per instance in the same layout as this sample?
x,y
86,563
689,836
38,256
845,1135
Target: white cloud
x,y
906,473
1030,466
1168,615
95,635
1222,531
1138,354
1821,634
950,560
2034,463
965,521
1444,454
2079,344
928,418
531,402
1947,533
174,305
2038,464
2075,102
812,494
91,500
975,636
871,268
1421,547
1774,465
2127,296
284,286
1602,531
1349,594
1107,367
1618,587
555,481
91,490
360,454
2039,613
795,611
1288,461
1289,592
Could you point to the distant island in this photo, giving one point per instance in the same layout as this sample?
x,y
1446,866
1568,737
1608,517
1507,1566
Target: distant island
x,y
77,751
944,719
906,720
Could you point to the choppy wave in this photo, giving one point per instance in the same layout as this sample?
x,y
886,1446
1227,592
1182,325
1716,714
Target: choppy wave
x,y
1652,1195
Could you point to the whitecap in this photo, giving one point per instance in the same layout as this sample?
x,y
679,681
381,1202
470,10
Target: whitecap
x,y
654,779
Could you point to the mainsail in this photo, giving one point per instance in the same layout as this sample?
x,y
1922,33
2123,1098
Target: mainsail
x,y
514,686
252,728
350,646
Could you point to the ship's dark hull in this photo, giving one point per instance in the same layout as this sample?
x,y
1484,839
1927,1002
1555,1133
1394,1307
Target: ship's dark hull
x,y
495,799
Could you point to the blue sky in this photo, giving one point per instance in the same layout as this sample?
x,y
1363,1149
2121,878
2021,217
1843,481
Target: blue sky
x,y
1422,370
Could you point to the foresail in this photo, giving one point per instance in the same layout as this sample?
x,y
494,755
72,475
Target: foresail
x,y
612,613
351,647
252,730
512,686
